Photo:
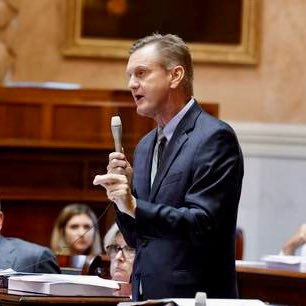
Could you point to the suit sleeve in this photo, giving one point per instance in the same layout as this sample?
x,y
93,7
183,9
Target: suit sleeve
x,y
47,262
210,195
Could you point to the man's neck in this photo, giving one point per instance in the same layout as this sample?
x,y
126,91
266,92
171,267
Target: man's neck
x,y
172,108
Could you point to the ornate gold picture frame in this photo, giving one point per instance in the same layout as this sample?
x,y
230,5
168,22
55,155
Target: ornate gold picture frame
x,y
244,51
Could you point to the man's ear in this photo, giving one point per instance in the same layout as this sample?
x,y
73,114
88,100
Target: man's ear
x,y
1,219
177,75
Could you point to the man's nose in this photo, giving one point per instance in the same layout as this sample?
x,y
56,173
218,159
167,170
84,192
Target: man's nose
x,y
133,83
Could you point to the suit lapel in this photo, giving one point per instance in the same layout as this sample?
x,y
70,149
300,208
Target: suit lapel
x,y
149,158
144,182
173,148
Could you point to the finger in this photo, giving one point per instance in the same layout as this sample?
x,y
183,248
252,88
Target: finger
x,y
110,178
103,180
117,170
109,195
128,165
115,163
116,155
118,193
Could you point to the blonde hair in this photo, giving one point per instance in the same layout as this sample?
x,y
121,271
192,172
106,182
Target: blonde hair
x,y
58,241
110,237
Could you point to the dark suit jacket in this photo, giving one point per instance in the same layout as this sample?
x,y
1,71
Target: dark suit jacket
x,y
184,230
23,256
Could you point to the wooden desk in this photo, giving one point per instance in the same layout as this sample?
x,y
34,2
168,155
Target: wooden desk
x,y
276,286
30,299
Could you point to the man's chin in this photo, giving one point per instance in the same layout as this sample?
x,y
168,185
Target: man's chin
x,y
143,113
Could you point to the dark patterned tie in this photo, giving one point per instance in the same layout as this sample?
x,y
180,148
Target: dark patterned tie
x,y
158,152
161,147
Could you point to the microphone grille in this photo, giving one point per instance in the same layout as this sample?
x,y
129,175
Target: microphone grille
x,y
116,121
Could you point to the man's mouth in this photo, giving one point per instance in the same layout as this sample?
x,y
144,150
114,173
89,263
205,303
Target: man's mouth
x,y
138,97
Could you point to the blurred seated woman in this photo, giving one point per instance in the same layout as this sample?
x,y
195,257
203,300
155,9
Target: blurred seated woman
x,y
75,232
121,255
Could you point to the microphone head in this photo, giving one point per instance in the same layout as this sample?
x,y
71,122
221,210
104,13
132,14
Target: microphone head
x,y
116,121
116,127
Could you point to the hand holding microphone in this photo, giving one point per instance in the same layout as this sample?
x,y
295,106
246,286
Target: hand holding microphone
x,y
117,181
117,160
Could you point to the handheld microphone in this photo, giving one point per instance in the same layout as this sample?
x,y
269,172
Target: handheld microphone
x,y
200,299
117,132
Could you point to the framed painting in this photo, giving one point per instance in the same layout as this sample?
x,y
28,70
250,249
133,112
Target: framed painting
x,y
218,31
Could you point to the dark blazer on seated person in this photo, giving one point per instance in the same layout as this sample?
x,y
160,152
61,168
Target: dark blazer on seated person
x,y
23,256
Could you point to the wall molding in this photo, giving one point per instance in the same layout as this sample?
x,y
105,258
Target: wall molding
x,y
271,140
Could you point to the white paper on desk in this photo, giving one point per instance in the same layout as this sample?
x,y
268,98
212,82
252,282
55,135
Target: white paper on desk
x,y
233,302
283,259
290,262
71,278
63,284
191,302
245,263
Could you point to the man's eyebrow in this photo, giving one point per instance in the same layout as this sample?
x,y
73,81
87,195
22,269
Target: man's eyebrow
x,y
137,68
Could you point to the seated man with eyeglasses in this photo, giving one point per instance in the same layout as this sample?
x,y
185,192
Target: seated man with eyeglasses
x,y
121,255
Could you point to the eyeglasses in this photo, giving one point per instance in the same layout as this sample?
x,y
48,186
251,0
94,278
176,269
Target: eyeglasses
x,y
114,249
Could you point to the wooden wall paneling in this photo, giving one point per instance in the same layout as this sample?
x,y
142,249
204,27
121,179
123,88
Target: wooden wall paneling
x,y
77,123
50,174
21,121
33,219
52,144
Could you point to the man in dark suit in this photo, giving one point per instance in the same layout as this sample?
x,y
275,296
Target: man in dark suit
x,y
182,219
23,256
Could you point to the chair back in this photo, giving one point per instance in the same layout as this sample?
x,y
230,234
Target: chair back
x,y
239,243
80,264
93,265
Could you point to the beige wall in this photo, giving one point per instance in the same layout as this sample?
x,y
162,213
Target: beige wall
x,y
273,91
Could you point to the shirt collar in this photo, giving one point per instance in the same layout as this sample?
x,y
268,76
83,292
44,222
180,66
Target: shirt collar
x,y
170,127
